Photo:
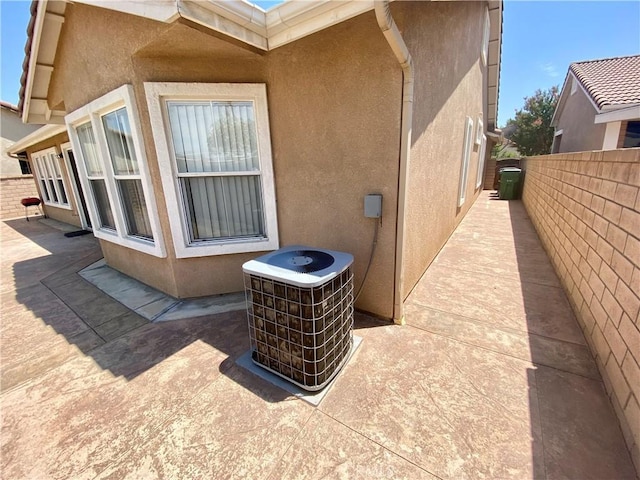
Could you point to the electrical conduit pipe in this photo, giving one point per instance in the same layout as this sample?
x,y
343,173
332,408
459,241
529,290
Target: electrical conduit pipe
x,y
399,47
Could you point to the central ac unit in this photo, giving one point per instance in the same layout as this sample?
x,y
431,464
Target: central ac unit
x,y
300,312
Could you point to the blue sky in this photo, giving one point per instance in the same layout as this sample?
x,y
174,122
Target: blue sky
x,y
540,40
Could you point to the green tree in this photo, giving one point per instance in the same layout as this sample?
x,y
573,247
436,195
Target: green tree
x,y
533,133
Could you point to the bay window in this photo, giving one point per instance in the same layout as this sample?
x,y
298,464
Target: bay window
x,y
214,151
113,170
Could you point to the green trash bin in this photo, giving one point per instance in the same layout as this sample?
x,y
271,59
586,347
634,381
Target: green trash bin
x,y
510,183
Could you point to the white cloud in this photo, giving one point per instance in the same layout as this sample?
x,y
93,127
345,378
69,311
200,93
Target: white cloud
x,y
550,69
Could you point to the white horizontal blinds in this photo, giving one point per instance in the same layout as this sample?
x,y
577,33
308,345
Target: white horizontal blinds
x,y
95,175
126,173
216,150
118,133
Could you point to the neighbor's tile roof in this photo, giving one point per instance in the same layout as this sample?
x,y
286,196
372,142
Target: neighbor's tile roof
x,y
610,81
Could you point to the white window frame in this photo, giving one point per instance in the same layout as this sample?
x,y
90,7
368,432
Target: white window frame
x,y
466,156
48,168
66,148
157,95
481,161
93,113
479,130
486,33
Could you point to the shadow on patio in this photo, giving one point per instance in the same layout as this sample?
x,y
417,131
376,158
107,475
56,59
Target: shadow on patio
x,y
489,378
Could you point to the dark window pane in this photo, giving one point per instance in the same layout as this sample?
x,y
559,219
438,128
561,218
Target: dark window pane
x,y
632,136
102,204
135,208
63,193
25,168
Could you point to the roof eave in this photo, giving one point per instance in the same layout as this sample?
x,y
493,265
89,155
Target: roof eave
x,y
48,21
43,133
239,19
494,63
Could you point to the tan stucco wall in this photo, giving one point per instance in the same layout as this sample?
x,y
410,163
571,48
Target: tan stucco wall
x,y
334,100
579,133
444,39
11,130
65,215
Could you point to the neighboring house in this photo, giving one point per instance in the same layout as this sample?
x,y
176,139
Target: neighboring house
x,y
599,106
207,132
16,181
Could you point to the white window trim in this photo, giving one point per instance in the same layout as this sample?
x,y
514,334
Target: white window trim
x,y
157,93
479,130
45,156
66,148
486,33
93,112
481,161
466,155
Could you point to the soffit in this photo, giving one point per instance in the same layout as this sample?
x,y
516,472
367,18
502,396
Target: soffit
x,y
238,19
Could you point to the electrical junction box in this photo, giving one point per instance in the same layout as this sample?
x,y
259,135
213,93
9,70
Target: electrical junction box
x,y
373,206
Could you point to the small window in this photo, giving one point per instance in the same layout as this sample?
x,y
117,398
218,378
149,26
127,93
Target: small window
x,y
214,152
632,135
49,176
25,168
557,140
486,33
112,168
574,84
466,155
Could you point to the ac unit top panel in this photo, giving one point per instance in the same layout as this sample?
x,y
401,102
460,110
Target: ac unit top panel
x,y
299,265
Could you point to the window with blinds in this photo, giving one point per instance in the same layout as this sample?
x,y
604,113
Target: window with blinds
x,y
214,152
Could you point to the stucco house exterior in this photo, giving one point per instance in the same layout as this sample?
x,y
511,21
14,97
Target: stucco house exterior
x,y
207,133
599,106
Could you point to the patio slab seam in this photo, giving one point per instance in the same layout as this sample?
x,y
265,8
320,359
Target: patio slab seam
x,y
532,362
502,328
509,275
391,451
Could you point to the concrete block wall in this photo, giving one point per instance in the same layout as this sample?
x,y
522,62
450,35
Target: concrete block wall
x,y
586,209
12,190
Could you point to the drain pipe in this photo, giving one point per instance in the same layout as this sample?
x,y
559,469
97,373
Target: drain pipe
x,y
396,42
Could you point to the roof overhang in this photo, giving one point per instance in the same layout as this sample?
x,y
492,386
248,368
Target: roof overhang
x,y
621,114
493,63
43,133
41,52
239,19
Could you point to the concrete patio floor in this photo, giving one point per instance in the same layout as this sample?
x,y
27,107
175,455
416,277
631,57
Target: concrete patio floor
x,y
490,378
